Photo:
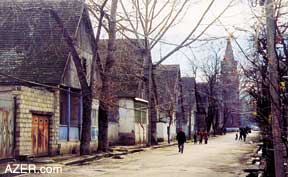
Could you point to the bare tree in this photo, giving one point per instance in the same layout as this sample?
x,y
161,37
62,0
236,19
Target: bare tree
x,y
150,20
87,89
211,71
106,89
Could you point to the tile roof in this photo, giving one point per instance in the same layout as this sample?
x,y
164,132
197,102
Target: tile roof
x,y
128,67
166,78
188,90
31,43
202,96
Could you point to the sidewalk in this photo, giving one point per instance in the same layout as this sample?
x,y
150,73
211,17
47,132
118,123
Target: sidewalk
x,y
116,152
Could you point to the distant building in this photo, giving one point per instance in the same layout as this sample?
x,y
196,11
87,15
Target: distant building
x,y
202,105
230,89
189,104
168,96
128,121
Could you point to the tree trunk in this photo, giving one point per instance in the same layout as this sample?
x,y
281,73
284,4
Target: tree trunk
x,y
86,91
169,128
106,92
274,90
103,143
168,133
149,92
86,124
189,126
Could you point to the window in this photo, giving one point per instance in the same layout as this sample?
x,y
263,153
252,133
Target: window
x,y
94,122
94,118
69,125
140,112
74,109
63,106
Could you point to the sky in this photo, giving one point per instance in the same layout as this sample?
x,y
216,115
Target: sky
x,y
236,20
236,17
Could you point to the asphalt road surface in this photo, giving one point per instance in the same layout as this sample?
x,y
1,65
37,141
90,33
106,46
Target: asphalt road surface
x,y
221,157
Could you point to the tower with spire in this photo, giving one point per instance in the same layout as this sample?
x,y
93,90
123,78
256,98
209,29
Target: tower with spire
x,y
230,88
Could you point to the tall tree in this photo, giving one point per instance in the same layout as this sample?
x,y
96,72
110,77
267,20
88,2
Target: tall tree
x,y
273,65
150,20
211,71
106,91
87,89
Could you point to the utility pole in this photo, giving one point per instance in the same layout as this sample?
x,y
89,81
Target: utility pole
x,y
274,88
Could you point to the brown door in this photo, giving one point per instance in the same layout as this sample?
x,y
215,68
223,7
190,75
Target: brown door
x,y
40,127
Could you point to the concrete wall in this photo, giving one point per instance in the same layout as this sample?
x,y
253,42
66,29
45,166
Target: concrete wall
x,y
162,131
141,133
113,130
126,122
130,132
126,116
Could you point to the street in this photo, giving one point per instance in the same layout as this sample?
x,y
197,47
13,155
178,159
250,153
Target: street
x,y
222,156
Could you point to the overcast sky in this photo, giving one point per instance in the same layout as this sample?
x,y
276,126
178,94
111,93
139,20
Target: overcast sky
x,y
236,17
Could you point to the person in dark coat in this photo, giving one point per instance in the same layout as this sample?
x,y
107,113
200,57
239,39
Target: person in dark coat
x,y
205,136
201,137
195,138
181,138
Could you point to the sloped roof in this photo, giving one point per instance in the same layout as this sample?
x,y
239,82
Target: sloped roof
x,y
188,90
32,46
128,70
202,96
166,78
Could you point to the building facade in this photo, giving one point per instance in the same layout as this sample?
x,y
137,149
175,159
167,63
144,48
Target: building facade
x,y
40,94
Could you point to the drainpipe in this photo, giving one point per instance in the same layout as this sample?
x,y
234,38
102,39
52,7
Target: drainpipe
x,y
68,108
14,121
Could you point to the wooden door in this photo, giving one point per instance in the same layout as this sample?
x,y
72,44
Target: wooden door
x,y
40,130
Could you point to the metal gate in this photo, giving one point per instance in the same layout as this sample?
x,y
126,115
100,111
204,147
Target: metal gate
x,y
40,134
6,132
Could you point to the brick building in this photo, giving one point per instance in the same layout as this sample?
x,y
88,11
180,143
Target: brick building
x,y
40,94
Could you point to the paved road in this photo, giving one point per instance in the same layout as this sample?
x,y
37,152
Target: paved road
x,y
223,157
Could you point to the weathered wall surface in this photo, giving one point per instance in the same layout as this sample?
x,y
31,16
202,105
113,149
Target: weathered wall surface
x,y
31,100
126,116
141,133
6,123
162,130
113,130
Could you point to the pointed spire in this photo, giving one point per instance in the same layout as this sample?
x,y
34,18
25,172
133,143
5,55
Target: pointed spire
x,y
229,51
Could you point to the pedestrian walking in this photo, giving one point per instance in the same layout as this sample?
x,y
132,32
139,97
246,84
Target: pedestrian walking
x,y
241,134
206,135
195,138
244,135
201,137
181,138
236,136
